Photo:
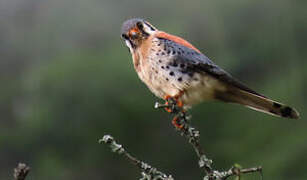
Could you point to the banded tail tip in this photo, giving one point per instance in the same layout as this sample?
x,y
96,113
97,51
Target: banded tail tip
x,y
286,111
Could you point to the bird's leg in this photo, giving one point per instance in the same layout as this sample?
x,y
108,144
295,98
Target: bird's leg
x,y
167,98
174,105
177,102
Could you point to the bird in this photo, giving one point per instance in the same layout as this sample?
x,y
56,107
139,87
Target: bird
x,y
171,67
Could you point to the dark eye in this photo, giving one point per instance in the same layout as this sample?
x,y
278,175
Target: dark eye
x,y
125,36
139,25
134,35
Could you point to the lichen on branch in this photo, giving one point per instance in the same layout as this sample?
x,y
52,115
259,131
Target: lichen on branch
x,y
148,172
21,171
182,124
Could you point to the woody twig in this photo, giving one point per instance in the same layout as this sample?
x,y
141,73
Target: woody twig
x,y
148,172
193,136
183,126
21,171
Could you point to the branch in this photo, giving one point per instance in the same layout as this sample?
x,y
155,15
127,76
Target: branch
x,y
183,126
21,171
148,172
189,132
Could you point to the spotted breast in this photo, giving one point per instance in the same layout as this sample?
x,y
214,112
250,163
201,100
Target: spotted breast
x,y
172,67
168,72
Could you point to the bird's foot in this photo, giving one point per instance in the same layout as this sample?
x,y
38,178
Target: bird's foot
x,y
167,104
174,106
171,102
177,123
168,109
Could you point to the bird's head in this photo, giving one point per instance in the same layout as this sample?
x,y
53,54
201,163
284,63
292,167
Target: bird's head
x,y
135,31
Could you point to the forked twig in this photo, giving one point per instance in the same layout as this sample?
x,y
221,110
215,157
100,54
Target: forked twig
x,y
148,172
21,171
193,136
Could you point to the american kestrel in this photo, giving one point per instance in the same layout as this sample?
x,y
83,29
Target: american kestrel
x,y
171,67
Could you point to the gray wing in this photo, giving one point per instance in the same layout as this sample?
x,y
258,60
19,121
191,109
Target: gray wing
x,y
197,62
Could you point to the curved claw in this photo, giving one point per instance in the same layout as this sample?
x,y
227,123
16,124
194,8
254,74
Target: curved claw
x,y
179,103
176,124
167,109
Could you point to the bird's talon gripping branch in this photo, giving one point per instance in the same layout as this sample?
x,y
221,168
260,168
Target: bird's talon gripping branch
x,y
168,109
176,123
171,101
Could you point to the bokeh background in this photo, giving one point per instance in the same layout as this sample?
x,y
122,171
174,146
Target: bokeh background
x,y
67,79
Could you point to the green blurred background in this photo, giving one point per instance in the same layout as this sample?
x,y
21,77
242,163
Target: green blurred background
x,y
67,79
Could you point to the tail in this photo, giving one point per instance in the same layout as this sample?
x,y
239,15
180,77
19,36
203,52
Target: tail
x,y
257,102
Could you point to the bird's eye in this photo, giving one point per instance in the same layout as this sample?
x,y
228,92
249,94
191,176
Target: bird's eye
x,y
134,35
125,36
139,25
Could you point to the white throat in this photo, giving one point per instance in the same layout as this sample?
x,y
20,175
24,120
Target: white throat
x,y
128,44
